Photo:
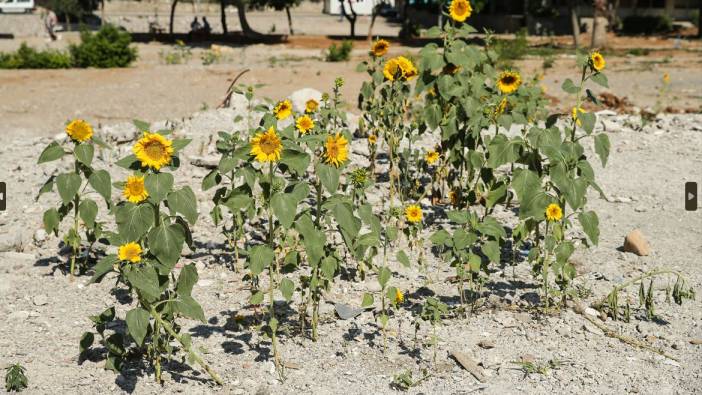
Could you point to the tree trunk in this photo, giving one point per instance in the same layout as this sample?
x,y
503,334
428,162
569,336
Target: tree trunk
x,y
599,34
68,22
102,12
223,16
241,10
574,23
351,18
287,12
170,23
699,22
374,14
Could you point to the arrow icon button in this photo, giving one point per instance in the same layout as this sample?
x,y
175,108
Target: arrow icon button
x,y
690,196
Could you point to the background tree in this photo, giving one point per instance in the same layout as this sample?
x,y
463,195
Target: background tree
x,y
574,22
349,17
599,34
278,5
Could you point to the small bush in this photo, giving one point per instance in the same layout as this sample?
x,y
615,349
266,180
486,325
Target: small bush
x,y
29,58
509,50
635,24
109,47
340,53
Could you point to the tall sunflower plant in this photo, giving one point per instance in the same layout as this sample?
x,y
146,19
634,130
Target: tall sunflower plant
x,y
153,222
77,189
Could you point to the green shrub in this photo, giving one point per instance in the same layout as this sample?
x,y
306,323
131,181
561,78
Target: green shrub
x,y
339,53
510,50
29,58
109,47
636,24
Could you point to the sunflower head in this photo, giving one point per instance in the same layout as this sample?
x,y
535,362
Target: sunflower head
x,y
431,157
336,151
574,115
372,139
311,106
399,68
666,78
134,190
500,109
130,252
399,296
460,10
554,212
304,124
283,109
266,146
391,69
407,68
380,48
79,130
508,82
153,150
597,61
413,213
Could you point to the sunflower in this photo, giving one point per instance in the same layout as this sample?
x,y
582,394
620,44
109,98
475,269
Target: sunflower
x,y
399,296
336,150
266,146
380,48
373,139
283,109
311,106
597,61
554,212
500,109
79,130
391,69
304,124
408,69
451,69
574,115
431,157
134,190
666,78
413,213
153,150
130,252
460,10
508,82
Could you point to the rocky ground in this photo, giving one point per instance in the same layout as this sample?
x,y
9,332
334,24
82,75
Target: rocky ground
x,y
45,312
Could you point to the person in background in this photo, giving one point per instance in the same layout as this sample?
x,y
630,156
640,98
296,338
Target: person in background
x,y
50,22
206,28
195,26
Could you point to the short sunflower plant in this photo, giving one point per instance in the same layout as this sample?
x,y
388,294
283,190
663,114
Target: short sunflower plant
x,y
153,221
77,191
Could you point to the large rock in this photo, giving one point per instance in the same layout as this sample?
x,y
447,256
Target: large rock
x,y
300,97
636,243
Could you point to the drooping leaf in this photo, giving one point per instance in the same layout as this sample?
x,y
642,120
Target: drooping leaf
x,y
51,153
166,243
101,183
158,185
138,324
68,185
84,153
184,202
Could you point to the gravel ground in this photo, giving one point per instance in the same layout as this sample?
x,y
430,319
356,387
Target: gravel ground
x,y
45,312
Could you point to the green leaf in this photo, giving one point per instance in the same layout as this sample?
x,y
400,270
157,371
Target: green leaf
x,y
403,258
68,185
600,79
257,298
104,266
502,151
491,249
84,153
179,144
384,276
212,179
343,215
86,341
138,324
367,300
166,243
432,115
51,220
591,225
158,185
569,87
525,182
602,147
141,125
440,237
260,257
287,288
459,217
133,221
329,266
186,280
184,202
284,207
145,279
564,251
329,175
88,212
128,162
491,227
587,120
101,183
189,307
51,153
47,187
295,160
